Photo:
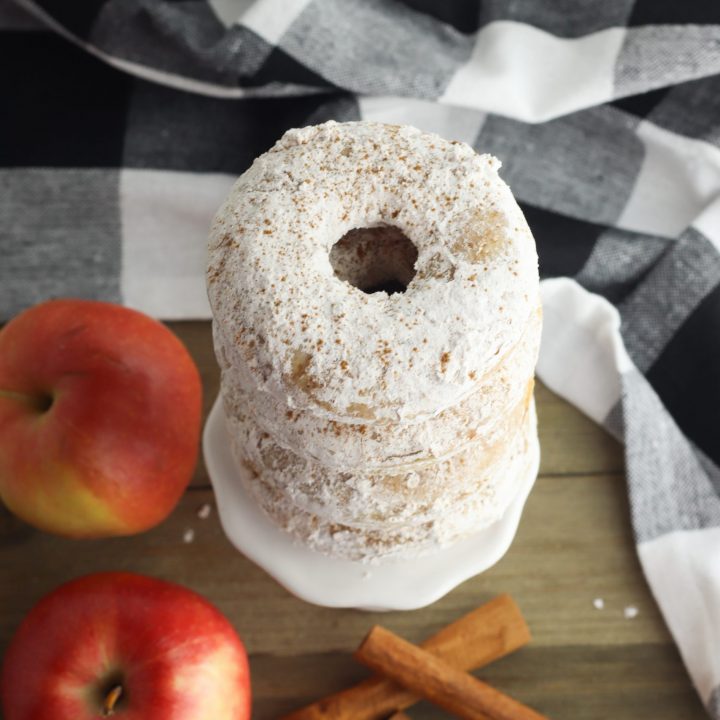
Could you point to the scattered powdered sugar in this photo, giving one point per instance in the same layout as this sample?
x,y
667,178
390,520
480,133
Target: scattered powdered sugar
x,y
376,425
598,603
630,612
204,511
188,536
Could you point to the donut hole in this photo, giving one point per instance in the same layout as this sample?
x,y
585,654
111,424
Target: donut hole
x,y
375,259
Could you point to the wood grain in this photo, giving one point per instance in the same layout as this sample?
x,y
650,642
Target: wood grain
x,y
574,545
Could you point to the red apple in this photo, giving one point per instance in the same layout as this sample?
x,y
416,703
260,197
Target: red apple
x,y
100,410
129,646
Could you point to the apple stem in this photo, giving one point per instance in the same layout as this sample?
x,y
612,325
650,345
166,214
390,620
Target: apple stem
x,y
41,402
111,700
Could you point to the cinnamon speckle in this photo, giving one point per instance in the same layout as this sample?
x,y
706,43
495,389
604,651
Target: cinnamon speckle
x,y
444,360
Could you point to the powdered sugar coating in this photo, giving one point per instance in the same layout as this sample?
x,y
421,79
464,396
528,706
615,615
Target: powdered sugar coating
x,y
373,498
318,343
363,444
483,501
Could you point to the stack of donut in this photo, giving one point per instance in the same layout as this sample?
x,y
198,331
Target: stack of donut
x,y
377,319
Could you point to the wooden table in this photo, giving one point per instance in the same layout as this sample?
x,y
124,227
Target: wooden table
x,y
574,545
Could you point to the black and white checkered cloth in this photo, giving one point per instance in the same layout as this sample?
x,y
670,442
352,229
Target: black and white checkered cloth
x,y
123,123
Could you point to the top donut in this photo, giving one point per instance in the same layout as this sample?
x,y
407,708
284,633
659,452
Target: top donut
x,y
292,325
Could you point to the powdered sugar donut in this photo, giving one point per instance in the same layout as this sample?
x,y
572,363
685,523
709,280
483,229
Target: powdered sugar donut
x,y
362,444
407,534
325,361
342,352
408,492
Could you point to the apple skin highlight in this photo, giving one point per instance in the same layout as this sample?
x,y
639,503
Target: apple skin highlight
x,y
100,414
173,655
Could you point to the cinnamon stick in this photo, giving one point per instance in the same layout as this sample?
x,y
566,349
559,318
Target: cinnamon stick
x,y
437,681
476,639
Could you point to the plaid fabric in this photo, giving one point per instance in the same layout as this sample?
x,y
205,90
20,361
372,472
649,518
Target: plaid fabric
x,y
124,123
